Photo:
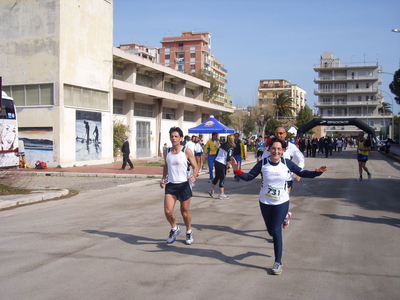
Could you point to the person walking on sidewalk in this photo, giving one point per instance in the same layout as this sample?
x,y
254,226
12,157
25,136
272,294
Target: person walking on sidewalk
x,y
211,149
125,154
221,164
274,195
176,183
364,146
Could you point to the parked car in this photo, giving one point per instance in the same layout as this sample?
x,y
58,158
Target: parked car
x,y
384,145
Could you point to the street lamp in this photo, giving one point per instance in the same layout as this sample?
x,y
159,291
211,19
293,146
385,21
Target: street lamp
x,y
392,133
381,72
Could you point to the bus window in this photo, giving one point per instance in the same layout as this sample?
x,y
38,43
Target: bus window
x,y
7,109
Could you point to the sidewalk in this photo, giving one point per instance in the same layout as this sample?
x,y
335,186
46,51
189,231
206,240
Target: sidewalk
x,y
103,170
111,169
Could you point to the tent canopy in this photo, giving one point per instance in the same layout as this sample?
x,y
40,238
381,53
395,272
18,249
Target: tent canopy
x,y
210,126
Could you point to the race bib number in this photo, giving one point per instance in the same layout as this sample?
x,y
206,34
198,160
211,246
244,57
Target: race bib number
x,y
274,192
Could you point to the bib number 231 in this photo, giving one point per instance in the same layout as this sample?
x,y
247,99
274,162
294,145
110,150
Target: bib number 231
x,y
273,192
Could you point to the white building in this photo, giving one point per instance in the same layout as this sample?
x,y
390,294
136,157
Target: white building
x,y
350,91
70,84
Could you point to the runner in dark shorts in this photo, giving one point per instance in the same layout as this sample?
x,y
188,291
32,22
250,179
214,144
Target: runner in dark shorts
x,y
182,191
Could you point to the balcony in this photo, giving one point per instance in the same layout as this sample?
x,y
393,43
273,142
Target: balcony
x,y
344,91
344,78
371,103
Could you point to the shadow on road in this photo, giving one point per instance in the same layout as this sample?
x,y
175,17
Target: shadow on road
x,y
190,250
382,220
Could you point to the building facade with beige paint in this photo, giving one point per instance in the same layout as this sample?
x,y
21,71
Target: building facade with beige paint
x,y
70,84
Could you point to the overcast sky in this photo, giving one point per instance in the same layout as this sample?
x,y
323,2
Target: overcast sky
x,y
264,39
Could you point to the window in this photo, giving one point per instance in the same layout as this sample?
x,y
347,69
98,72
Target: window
x,y
118,107
83,97
144,110
33,94
168,113
357,85
367,85
326,100
167,56
188,116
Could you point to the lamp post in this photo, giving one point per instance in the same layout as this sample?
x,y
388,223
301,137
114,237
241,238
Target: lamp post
x,y
381,72
392,133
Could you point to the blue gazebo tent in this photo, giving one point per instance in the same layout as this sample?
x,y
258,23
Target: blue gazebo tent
x,y
211,125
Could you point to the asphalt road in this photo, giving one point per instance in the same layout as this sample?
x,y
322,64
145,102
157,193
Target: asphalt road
x,y
109,243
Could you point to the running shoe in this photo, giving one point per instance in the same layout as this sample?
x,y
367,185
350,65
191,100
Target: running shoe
x,y
211,193
277,268
223,196
287,220
189,238
369,176
359,179
172,235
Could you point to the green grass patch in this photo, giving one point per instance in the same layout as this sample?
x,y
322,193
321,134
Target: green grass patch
x,y
9,190
150,164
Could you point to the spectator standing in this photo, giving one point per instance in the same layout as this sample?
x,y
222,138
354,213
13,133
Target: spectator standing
x,y
211,148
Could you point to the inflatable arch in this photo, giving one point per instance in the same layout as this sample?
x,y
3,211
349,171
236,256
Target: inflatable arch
x,y
342,121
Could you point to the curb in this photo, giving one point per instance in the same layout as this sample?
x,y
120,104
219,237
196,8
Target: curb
x,y
36,196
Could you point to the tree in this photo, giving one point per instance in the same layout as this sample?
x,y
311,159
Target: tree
x,y
271,125
305,115
284,106
395,86
396,127
225,118
119,131
209,94
238,119
261,115
385,108
248,126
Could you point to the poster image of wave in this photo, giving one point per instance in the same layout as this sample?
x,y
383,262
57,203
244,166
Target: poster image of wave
x,y
38,144
88,135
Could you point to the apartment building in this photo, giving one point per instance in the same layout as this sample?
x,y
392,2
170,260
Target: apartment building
x,y
219,73
150,53
350,90
191,52
70,84
269,89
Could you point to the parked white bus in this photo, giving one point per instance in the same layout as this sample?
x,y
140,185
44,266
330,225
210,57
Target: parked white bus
x,y
9,156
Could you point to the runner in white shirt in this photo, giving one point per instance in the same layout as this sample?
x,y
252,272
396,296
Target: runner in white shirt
x,y
291,153
274,195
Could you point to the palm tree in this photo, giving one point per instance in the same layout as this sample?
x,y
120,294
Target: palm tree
x,y
386,108
284,106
